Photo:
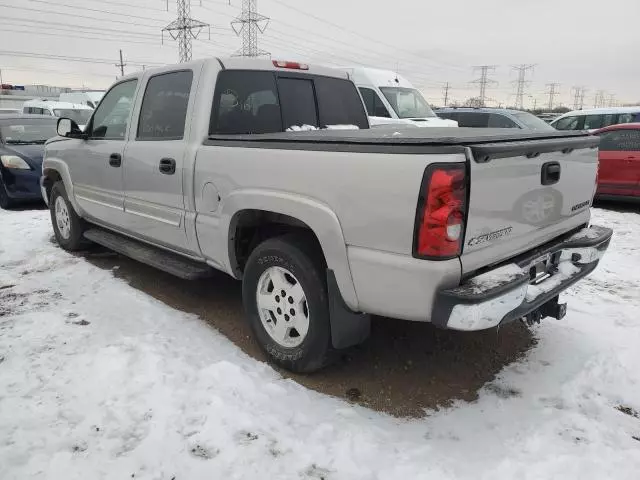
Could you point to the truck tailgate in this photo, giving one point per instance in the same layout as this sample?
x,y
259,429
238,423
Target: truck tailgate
x,y
525,193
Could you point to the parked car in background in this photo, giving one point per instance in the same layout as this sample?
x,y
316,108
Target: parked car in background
x,y
493,118
77,112
10,111
548,117
594,118
22,139
391,99
619,162
194,167
89,98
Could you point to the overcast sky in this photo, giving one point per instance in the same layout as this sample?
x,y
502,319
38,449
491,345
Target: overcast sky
x,y
572,42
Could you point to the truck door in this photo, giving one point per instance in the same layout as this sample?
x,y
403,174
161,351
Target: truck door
x,y
619,162
154,161
95,164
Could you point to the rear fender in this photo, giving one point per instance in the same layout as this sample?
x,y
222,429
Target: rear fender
x,y
318,216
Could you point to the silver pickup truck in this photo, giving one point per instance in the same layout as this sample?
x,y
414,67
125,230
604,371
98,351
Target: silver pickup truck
x,y
191,168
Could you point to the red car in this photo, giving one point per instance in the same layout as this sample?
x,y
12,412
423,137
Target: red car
x,y
619,156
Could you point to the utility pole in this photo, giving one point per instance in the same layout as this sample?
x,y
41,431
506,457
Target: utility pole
x,y
184,29
484,80
553,92
247,25
445,92
521,82
121,65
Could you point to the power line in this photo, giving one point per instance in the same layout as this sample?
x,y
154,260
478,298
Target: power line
x,y
484,81
184,29
247,25
553,92
521,82
47,56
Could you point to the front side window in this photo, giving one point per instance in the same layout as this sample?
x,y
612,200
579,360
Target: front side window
x,y
593,121
373,103
298,102
626,118
567,123
407,102
164,106
245,102
497,120
111,118
620,141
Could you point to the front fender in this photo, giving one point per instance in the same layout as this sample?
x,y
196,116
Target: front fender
x,y
318,216
58,165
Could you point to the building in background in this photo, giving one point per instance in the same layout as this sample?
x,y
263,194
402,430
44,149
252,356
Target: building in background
x,y
13,96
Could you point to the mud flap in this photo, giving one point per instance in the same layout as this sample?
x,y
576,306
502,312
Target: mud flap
x,y
347,328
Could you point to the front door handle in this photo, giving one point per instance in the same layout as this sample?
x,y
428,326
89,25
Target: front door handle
x,y
115,160
168,166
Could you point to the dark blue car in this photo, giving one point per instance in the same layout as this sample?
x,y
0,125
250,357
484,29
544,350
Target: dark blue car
x,y
22,140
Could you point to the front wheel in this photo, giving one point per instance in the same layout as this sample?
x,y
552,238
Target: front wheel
x,y
284,292
68,227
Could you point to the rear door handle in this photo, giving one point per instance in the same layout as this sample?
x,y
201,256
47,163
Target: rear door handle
x,y
168,166
115,160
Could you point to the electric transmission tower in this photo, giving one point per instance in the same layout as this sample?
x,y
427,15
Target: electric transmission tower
x,y
578,97
612,100
521,82
484,81
445,93
553,92
599,100
247,25
184,29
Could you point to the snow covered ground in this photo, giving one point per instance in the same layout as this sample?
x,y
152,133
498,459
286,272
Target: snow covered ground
x,y
98,380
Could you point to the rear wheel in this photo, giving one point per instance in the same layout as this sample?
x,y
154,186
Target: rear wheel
x,y
285,296
68,227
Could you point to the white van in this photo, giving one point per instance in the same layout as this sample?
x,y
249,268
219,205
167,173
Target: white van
x,y
89,98
391,99
76,112
595,118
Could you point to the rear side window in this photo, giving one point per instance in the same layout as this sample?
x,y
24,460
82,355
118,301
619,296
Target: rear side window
x,y
449,115
245,102
620,141
164,106
298,102
567,123
373,103
501,121
593,121
339,103
473,119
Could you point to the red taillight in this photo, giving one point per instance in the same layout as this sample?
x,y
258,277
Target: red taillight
x,y
292,65
441,212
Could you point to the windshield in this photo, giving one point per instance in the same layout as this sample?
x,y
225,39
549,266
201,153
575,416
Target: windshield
x,y
407,102
81,117
531,121
28,132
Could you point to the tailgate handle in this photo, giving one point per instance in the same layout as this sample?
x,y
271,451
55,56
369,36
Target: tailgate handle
x,y
550,173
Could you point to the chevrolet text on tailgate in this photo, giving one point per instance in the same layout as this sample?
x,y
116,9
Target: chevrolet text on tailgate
x,y
194,167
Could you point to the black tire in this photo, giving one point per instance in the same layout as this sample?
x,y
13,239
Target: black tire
x,y
74,241
295,253
5,202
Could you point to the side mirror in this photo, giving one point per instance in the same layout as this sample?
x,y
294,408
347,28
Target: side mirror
x,y
68,128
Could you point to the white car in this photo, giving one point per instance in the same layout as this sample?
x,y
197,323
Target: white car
x,y
391,99
77,112
593,119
